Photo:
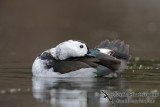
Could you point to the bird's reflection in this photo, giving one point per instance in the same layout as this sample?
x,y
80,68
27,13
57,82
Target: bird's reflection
x,y
78,92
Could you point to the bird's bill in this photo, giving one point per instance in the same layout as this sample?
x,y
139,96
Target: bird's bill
x,y
90,55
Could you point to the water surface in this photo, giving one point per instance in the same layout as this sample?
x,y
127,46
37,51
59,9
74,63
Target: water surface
x,y
138,86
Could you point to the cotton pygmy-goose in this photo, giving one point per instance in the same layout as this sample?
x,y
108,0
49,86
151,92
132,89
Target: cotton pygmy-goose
x,y
73,58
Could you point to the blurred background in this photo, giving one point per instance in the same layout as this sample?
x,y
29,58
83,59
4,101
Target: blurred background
x,y
28,27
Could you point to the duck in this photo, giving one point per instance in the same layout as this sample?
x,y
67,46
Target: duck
x,y
73,58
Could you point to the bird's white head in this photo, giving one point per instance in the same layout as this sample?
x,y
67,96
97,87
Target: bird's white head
x,y
70,48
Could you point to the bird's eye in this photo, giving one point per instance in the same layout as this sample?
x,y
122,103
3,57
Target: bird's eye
x,y
81,46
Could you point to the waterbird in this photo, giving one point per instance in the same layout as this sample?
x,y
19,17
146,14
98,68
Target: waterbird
x,y
73,58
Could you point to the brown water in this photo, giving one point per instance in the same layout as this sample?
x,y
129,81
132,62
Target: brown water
x,y
138,86
28,27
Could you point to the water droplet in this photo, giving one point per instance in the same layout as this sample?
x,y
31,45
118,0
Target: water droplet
x,y
12,90
141,66
3,91
137,58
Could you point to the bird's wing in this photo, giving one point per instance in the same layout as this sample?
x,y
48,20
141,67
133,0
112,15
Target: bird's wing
x,y
68,66
106,60
97,64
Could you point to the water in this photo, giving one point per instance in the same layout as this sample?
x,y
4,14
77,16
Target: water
x,y
29,27
137,86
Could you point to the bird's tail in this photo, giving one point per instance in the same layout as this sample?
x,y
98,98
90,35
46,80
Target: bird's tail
x,y
119,49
